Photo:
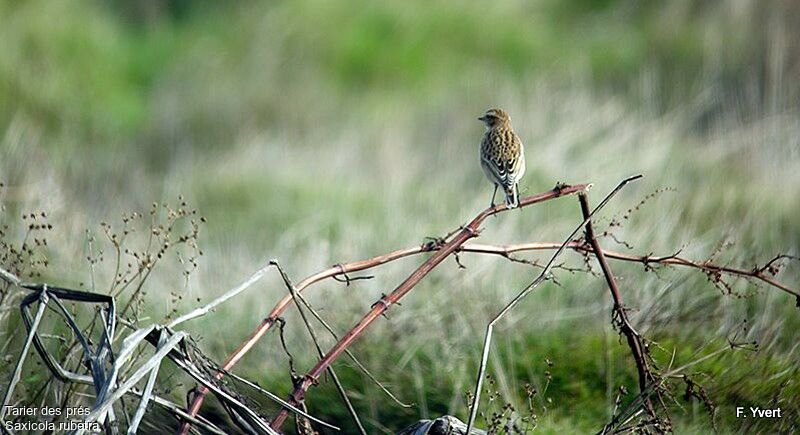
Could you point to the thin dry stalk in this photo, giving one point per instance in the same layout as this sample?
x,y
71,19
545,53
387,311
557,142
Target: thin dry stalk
x,y
757,273
43,298
105,378
198,312
295,296
646,376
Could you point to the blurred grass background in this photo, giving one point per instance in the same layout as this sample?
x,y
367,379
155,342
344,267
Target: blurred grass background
x,y
321,132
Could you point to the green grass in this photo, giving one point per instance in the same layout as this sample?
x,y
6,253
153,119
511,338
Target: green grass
x,y
113,75
318,133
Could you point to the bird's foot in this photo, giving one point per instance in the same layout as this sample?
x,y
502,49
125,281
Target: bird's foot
x,y
433,243
472,232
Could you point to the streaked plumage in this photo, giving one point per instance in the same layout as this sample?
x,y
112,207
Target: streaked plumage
x,y
502,155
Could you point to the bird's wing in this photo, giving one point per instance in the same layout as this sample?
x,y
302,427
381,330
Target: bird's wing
x,y
508,164
497,170
519,166
492,160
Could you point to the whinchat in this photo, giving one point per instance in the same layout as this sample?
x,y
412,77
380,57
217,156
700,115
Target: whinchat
x,y
502,155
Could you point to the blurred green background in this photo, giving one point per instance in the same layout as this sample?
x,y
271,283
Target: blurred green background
x,y
318,132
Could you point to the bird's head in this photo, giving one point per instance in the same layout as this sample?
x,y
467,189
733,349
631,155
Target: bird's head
x,y
495,117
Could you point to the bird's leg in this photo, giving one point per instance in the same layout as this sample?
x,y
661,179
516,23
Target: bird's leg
x,y
492,203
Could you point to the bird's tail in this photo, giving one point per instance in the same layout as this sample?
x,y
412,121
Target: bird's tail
x,y
512,196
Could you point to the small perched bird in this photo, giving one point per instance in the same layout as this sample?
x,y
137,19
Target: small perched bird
x,y
502,155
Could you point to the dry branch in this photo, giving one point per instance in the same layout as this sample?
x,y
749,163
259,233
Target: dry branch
x,y
344,269
198,312
620,316
470,231
487,341
104,367
295,297
757,273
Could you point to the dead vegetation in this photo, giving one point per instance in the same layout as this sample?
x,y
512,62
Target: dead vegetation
x,y
111,357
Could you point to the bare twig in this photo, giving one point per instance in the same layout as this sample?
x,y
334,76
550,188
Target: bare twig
x,y
355,360
487,341
277,399
274,317
221,299
646,375
98,358
756,273
356,266
179,412
313,334
468,232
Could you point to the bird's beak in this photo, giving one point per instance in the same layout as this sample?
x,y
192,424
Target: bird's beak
x,y
481,118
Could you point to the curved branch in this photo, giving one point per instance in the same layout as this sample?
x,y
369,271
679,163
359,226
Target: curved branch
x,y
487,340
385,302
475,248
